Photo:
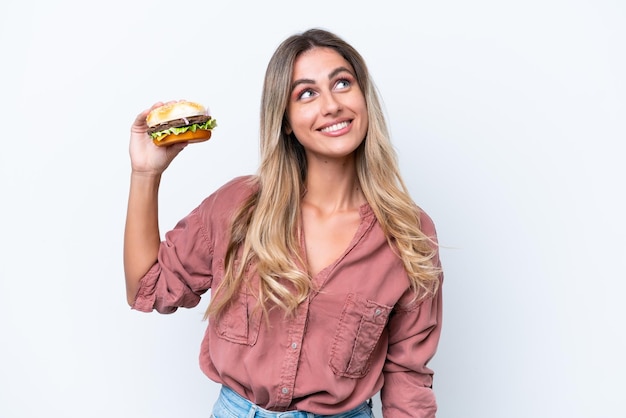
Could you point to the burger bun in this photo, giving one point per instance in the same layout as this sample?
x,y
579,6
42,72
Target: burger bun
x,y
174,110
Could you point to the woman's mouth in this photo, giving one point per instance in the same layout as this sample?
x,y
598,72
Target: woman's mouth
x,y
335,127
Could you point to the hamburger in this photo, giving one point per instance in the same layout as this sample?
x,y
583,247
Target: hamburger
x,y
180,121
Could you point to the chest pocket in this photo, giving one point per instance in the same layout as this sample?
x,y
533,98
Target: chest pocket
x,y
240,321
360,327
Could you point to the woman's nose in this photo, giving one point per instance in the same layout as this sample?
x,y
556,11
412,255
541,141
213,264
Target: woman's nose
x,y
330,104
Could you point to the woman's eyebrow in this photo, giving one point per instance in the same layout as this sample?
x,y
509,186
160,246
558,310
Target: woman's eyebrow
x,y
337,71
332,74
301,81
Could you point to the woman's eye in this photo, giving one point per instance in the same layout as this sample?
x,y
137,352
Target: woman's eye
x,y
305,94
342,84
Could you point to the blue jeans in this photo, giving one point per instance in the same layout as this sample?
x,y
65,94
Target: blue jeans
x,y
231,405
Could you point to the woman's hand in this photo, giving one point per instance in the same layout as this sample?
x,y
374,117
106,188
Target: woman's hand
x,y
145,156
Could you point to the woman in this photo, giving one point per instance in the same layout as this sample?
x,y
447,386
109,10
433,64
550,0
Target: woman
x,y
324,273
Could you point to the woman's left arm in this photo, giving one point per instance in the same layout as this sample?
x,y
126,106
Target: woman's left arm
x,y
413,339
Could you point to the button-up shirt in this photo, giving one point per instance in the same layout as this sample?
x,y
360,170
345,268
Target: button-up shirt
x,y
358,332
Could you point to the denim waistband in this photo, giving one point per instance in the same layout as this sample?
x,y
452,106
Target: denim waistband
x,y
231,405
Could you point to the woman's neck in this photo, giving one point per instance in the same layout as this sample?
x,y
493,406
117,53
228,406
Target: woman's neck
x,y
333,186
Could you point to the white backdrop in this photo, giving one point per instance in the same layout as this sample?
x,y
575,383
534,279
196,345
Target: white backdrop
x,y
508,118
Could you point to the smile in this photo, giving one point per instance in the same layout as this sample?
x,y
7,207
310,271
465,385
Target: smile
x,y
335,127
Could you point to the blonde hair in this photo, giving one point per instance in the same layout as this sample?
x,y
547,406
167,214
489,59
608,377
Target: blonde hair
x,y
265,231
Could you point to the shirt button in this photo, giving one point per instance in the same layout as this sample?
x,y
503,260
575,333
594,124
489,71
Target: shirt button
x,y
285,391
378,312
294,345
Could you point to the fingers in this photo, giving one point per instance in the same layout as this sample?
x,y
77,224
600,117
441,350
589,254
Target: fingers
x,y
140,120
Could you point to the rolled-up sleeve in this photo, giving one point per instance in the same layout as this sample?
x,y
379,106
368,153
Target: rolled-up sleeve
x,y
185,263
183,271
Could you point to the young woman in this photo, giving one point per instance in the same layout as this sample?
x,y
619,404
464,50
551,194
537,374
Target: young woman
x,y
324,273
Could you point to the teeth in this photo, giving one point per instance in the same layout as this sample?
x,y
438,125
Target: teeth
x,y
335,127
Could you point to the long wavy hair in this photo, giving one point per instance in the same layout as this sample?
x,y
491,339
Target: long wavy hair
x,y
265,234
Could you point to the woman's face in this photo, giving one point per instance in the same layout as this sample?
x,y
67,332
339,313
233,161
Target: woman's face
x,y
326,110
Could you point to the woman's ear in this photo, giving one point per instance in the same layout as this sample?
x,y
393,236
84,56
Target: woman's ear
x,y
287,127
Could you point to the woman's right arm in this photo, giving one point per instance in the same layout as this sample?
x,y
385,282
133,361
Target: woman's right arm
x,y
141,234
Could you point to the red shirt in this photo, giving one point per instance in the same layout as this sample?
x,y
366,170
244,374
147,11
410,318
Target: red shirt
x,y
355,336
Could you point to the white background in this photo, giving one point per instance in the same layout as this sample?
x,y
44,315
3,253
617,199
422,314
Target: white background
x,y
508,118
